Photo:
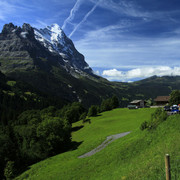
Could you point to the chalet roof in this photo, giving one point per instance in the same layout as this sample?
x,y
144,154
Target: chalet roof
x,y
135,101
162,98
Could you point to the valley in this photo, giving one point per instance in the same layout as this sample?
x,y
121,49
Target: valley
x,y
54,109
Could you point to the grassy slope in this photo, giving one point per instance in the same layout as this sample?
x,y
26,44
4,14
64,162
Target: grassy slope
x,y
139,155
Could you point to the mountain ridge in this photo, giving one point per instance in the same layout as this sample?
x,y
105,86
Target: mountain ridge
x,y
25,56
57,44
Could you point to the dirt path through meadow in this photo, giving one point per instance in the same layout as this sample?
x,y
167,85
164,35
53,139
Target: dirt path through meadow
x,y
108,140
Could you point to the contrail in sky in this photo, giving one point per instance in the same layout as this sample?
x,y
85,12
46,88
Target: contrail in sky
x,y
85,17
72,13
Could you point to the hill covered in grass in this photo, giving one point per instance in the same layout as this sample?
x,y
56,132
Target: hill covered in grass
x,y
139,155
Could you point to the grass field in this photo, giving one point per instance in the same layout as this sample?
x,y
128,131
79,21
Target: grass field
x,y
139,155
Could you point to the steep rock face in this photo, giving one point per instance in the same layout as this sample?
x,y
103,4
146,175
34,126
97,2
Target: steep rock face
x,y
12,50
19,50
55,40
28,48
47,60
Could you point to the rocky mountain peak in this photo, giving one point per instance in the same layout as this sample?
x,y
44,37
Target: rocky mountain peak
x,y
28,30
12,31
55,40
50,43
57,31
7,28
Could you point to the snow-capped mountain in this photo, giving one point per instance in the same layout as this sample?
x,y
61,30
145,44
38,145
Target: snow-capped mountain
x,y
54,39
47,60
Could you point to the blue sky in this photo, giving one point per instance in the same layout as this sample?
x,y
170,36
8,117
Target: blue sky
x,y
122,40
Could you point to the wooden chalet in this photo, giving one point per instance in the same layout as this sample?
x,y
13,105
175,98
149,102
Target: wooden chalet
x,y
138,103
162,100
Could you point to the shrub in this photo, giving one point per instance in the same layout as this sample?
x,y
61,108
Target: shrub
x,y
156,118
144,125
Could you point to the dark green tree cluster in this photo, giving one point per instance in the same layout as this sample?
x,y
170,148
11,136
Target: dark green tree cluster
x,y
109,104
106,105
35,135
41,133
71,112
174,97
156,118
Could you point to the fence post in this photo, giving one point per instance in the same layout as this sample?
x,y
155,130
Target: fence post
x,y
167,166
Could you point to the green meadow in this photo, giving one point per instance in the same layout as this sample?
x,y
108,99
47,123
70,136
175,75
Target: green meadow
x,y
139,155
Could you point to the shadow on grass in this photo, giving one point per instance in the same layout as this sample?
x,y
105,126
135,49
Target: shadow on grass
x,y
76,128
23,169
75,145
98,115
87,121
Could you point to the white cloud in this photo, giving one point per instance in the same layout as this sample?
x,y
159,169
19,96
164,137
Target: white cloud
x,y
97,72
144,72
110,47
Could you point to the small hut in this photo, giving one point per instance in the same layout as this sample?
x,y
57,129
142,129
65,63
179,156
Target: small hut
x,y
138,103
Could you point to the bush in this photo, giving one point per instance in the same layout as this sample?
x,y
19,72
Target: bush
x,y
144,125
156,118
